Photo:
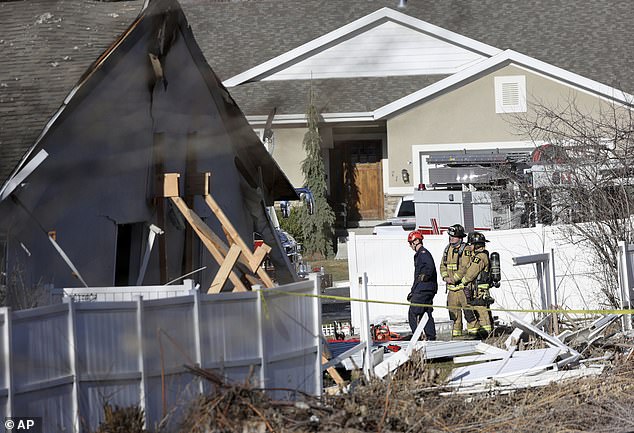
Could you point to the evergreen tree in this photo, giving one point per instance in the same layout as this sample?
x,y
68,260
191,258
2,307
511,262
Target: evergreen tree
x,y
318,227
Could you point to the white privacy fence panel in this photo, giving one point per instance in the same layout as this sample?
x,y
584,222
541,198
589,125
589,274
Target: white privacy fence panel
x,y
626,280
292,330
63,362
388,262
122,293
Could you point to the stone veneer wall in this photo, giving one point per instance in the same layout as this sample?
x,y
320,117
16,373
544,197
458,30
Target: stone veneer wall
x,y
389,205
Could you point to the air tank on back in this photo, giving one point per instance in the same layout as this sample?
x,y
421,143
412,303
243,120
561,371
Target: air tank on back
x,y
496,271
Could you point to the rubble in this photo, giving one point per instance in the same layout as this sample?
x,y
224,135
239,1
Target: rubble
x,y
524,380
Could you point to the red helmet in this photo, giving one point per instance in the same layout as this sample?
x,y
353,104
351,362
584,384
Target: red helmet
x,y
416,234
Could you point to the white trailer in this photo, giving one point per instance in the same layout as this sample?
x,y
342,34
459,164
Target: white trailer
x,y
436,210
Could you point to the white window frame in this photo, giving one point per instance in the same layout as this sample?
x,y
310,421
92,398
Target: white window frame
x,y
500,82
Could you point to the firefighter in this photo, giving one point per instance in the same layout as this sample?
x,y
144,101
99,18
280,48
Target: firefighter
x,y
476,281
424,287
455,260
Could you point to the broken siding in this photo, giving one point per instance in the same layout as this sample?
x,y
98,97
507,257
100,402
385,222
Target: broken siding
x,y
103,152
96,175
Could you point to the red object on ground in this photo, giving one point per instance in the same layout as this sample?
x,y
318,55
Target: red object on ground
x,y
382,333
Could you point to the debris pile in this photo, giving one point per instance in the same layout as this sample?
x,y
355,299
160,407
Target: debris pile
x,y
582,379
410,401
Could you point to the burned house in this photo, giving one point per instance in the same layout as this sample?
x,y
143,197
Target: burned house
x,y
83,154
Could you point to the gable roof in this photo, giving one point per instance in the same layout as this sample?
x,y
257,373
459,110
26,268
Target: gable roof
x,y
505,58
344,33
591,41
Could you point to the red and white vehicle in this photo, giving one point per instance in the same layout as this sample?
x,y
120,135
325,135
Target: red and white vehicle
x,y
437,210
404,218
478,191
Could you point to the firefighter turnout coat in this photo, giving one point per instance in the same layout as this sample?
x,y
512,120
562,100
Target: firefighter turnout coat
x,y
454,263
478,267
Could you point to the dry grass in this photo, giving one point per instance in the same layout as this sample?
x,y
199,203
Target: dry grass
x,y
410,402
337,268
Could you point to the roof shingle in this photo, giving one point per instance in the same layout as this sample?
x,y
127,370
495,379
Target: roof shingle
x,y
46,45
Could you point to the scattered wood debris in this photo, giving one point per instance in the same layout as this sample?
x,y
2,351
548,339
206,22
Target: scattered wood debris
x,y
523,387
410,401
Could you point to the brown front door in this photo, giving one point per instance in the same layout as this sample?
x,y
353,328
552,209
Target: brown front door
x,y
369,199
357,179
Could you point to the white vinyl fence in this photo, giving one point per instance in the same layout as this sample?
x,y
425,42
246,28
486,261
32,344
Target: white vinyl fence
x,y
63,362
626,281
122,293
388,262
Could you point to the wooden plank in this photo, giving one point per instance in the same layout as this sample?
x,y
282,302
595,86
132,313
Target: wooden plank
x,y
217,249
260,254
167,185
226,224
225,269
199,225
332,371
238,285
246,251
228,236
204,231
253,280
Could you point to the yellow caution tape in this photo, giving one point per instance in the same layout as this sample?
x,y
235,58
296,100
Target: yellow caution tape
x,y
265,307
410,304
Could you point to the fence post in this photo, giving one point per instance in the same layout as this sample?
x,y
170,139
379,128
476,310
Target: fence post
x,y
317,331
552,277
197,337
141,359
72,353
544,276
262,346
8,359
625,284
353,274
364,332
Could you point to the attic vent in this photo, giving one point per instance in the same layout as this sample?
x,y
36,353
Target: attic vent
x,y
510,94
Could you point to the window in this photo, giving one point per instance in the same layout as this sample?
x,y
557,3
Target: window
x,y
510,94
406,209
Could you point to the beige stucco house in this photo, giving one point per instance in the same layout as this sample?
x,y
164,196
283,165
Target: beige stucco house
x,y
394,80
394,89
